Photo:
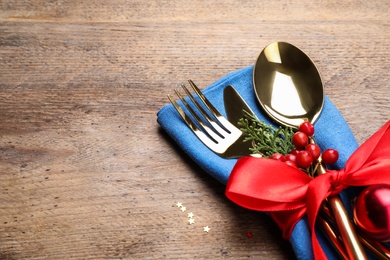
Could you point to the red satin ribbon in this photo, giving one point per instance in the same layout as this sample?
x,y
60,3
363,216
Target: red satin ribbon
x,y
288,193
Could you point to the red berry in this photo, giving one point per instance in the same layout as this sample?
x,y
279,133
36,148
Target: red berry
x,y
278,157
330,156
290,157
291,163
304,159
307,128
294,151
314,150
300,139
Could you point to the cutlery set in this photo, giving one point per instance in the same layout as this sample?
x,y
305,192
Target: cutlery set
x,y
289,89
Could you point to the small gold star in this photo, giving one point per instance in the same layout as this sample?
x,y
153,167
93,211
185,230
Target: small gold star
x,y
191,221
183,209
191,215
179,205
206,229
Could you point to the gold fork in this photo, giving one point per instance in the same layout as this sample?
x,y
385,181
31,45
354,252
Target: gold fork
x,y
212,128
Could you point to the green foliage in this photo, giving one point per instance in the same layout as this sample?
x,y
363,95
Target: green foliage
x,y
266,139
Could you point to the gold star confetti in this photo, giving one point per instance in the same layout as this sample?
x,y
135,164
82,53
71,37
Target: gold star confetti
x,y
206,229
191,215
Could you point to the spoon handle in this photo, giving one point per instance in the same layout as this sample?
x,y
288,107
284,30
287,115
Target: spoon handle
x,y
347,231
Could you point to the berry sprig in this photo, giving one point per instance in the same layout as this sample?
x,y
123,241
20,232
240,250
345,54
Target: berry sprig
x,y
296,149
306,154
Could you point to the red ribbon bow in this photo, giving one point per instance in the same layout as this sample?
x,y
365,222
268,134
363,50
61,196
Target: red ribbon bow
x,y
288,193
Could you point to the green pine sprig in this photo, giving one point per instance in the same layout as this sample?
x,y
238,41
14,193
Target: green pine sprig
x,y
266,139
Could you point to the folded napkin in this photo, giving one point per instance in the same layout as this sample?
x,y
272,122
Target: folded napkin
x,y
331,131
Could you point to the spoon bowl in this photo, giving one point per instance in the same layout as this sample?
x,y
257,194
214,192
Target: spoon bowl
x,y
288,85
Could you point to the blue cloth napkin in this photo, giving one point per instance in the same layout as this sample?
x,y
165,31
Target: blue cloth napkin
x,y
331,131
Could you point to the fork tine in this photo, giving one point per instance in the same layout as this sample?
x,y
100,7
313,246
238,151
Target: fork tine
x,y
218,129
208,130
220,118
196,103
181,112
208,104
194,128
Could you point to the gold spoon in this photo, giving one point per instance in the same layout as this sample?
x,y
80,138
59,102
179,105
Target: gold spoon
x,y
290,90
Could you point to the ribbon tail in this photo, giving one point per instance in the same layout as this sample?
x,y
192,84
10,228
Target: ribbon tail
x,y
317,249
317,192
286,220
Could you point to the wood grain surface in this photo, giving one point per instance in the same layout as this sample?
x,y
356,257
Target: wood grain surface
x,y
85,170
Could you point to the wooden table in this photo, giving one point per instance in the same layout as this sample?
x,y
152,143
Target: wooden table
x,y
85,170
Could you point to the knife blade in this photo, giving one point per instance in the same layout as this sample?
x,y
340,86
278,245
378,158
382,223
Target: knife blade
x,y
234,108
234,105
